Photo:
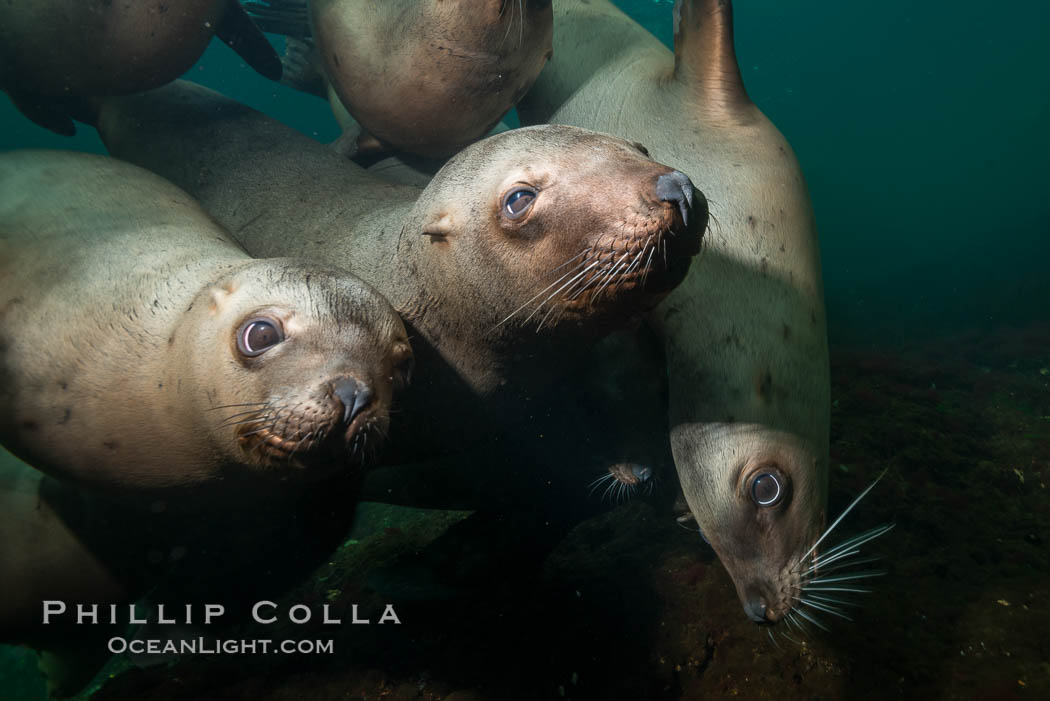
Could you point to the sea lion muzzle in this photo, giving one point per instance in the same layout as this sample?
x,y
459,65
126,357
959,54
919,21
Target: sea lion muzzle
x,y
354,395
676,187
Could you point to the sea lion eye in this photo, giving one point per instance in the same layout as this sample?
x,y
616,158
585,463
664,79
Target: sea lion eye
x,y
766,489
644,151
517,202
256,336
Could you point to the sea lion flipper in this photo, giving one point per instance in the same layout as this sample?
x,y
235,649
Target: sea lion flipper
x,y
287,17
302,68
237,29
44,112
704,54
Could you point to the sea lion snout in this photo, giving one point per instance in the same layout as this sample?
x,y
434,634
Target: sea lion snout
x,y
354,395
676,187
756,611
689,204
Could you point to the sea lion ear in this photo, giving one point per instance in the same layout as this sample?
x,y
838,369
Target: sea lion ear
x,y
438,226
219,295
705,58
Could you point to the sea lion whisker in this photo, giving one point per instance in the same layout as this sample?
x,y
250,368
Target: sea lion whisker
x,y
608,490
546,316
816,563
586,285
852,590
231,406
252,433
243,417
648,265
799,625
785,635
594,484
638,258
534,298
832,600
847,577
540,294
249,420
823,607
610,275
855,542
581,253
772,639
812,619
848,563
558,291
841,516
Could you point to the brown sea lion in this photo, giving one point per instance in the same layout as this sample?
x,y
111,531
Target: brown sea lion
x,y
143,348
61,48
744,335
426,77
523,250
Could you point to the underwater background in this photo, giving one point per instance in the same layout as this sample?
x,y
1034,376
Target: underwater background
x,y
923,130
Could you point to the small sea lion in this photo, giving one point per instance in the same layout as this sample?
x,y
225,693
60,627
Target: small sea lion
x,y
52,49
623,480
143,348
425,77
523,250
744,336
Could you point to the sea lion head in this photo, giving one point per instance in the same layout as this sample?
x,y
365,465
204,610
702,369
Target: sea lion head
x,y
556,227
429,77
758,496
295,366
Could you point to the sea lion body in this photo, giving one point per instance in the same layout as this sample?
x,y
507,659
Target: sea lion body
x,y
430,77
744,335
64,48
496,303
124,314
425,77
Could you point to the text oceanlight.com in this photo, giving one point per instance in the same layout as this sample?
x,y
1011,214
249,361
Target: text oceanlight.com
x,y
205,646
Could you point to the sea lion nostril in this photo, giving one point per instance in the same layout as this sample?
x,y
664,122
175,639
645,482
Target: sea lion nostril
x,y
354,395
756,611
677,188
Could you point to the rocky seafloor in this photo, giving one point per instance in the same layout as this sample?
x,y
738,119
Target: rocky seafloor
x,y
631,606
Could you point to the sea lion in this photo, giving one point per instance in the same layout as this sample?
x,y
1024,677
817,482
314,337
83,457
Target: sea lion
x,y
524,249
207,413
426,77
623,480
60,48
143,348
745,334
